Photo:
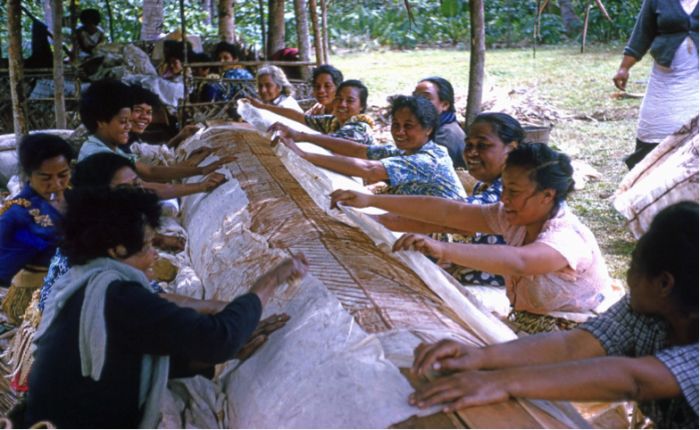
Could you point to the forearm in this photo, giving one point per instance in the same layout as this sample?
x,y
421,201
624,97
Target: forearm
x,y
169,173
398,223
285,112
450,214
597,379
170,191
371,171
208,307
541,349
627,62
334,144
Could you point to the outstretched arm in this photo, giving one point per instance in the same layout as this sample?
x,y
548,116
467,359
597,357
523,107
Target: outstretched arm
x,y
451,214
279,110
151,173
596,379
333,144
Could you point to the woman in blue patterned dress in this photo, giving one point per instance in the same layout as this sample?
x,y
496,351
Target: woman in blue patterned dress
x,y
29,221
415,165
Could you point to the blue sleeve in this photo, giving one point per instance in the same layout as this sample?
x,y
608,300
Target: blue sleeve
x,y
409,168
682,362
16,244
377,152
320,123
150,324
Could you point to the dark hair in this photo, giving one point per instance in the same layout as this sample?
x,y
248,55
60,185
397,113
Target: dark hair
x,y
548,168
445,91
91,16
34,149
232,49
507,128
140,95
199,57
175,48
354,83
420,107
102,101
98,170
336,75
671,245
98,219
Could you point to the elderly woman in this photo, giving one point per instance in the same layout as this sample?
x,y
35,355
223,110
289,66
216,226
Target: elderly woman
x,y
348,120
668,30
449,133
274,88
644,348
416,165
106,339
29,221
325,81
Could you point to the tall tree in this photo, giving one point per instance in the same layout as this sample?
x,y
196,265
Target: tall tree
x,y
152,20
59,101
19,100
318,42
275,27
571,21
476,60
48,13
324,32
302,34
227,22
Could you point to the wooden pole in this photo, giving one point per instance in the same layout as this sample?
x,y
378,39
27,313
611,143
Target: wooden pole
x,y
302,35
183,29
585,27
75,49
476,60
14,53
324,32
317,32
111,21
263,36
59,105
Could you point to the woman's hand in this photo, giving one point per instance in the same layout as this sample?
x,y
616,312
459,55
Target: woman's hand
x,y
621,77
289,143
255,102
461,390
445,356
212,181
264,329
292,269
169,243
420,243
284,131
350,198
218,163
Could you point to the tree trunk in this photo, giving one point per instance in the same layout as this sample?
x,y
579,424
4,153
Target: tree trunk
x,y
48,13
205,5
227,23
75,49
111,21
59,101
152,21
19,101
324,32
476,60
302,35
275,26
571,21
263,35
318,43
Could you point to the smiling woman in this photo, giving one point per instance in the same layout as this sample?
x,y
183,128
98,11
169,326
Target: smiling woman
x,y
29,221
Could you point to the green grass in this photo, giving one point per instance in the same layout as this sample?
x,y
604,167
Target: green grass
x,y
575,84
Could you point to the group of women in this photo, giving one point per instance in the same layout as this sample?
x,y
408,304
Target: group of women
x,y
517,234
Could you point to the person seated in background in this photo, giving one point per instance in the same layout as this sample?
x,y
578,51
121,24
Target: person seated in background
x,y
205,90
449,133
89,34
172,66
106,339
348,120
414,166
144,102
105,110
554,271
325,80
274,88
644,348
230,53
288,54
29,221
